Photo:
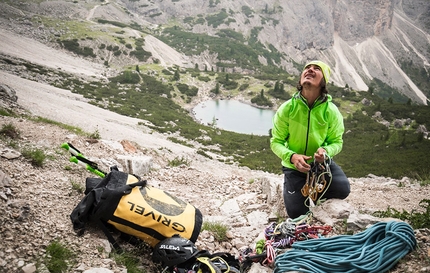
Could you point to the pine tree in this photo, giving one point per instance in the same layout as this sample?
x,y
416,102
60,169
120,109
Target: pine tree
x,y
176,77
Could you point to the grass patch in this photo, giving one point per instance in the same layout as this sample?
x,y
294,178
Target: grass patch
x,y
423,177
95,135
130,261
6,112
69,128
219,230
35,155
10,131
58,258
77,187
178,161
416,219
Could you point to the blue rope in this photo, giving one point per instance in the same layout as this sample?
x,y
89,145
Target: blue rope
x,y
377,249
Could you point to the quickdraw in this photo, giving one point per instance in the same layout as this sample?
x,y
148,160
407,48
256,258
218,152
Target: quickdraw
x,y
316,184
305,232
279,237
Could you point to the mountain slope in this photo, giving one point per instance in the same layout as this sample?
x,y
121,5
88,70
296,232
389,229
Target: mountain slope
x,y
30,213
362,41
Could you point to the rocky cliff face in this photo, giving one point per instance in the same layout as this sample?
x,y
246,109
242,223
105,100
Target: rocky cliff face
x,y
361,40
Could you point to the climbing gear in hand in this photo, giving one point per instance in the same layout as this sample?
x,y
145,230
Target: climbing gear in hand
x,y
316,184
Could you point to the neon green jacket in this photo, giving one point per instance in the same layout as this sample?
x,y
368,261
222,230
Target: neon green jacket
x,y
298,129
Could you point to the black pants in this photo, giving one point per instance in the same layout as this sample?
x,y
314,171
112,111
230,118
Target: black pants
x,y
294,180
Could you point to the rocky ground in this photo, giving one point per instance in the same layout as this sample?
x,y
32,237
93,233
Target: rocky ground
x,y
35,202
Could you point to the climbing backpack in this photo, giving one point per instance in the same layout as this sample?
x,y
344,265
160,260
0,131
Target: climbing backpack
x,y
127,203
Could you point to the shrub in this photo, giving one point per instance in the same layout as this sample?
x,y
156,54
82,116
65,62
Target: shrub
x,y
126,77
130,261
10,131
78,187
95,135
416,219
218,230
35,155
179,161
5,112
59,258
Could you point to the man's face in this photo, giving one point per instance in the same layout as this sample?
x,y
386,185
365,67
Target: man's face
x,y
311,75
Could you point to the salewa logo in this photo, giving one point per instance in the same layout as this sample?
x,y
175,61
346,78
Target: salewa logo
x,y
321,124
169,247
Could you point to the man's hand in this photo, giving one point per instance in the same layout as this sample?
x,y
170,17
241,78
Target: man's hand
x,y
299,162
319,155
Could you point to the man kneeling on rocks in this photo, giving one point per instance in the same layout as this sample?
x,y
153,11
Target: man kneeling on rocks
x,y
308,128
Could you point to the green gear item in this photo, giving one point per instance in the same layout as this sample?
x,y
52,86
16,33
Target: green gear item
x,y
259,246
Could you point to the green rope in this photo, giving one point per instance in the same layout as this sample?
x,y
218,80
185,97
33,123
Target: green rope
x,y
377,249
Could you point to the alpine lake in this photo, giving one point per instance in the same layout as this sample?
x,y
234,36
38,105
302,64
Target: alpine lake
x,y
235,116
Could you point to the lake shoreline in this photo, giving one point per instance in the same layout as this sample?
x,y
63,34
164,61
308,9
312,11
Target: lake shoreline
x,y
233,114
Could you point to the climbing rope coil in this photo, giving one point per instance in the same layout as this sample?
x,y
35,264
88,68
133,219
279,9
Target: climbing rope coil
x,y
377,249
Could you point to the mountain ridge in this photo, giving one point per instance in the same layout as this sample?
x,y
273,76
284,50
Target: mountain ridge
x,y
361,41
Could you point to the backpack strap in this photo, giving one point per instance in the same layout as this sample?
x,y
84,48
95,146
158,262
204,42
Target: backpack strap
x,y
104,226
112,241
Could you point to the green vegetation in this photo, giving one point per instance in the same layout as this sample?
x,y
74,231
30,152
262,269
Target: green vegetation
x,y
217,19
35,155
261,100
247,11
418,75
187,90
74,46
10,131
126,77
95,135
415,218
218,230
58,258
130,260
178,161
141,54
384,91
115,23
279,91
150,92
369,146
70,128
5,112
77,187
230,47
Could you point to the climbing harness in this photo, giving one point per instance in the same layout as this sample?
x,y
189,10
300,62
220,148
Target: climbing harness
x,y
205,262
316,184
377,249
279,237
